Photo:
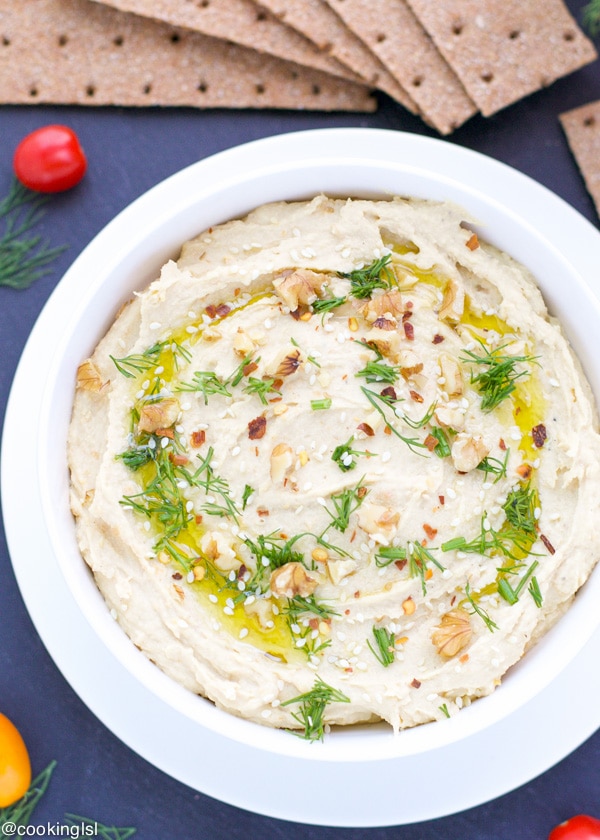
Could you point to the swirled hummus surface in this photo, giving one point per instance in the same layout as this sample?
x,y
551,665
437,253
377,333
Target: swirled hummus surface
x,y
336,464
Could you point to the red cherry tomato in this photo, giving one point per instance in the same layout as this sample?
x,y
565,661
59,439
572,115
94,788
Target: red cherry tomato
x,y
581,827
15,768
50,159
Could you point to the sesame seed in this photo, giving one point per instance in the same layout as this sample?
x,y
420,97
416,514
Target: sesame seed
x,y
155,325
213,598
236,450
243,632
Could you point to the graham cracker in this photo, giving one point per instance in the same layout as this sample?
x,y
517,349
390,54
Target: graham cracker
x,y
582,129
240,22
77,52
392,32
503,51
317,21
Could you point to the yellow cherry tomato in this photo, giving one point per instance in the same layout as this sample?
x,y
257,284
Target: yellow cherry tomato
x,y
15,767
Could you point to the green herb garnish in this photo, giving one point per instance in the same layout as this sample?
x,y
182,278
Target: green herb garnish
x,y
510,593
345,456
381,403
321,405
23,259
262,387
379,371
345,503
377,275
313,704
385,641
477,610
498,375
325,305
590,17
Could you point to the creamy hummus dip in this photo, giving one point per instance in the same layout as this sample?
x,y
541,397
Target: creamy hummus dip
x,y
336,465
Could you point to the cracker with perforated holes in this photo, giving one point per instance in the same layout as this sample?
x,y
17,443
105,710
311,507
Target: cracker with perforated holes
x,y
77,52
317,21
392,32
503,51
582,129
241,22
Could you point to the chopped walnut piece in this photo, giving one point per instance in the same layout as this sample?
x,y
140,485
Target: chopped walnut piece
x,y
454,632
216,547
159,415
453,302
257,428
388,343
243,343
282,460
468,451
451,418
387,305
365,429
340,569
298,286
88,377
375,519
453,383
292,580
289,364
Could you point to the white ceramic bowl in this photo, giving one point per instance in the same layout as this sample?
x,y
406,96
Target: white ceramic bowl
x,y
517,215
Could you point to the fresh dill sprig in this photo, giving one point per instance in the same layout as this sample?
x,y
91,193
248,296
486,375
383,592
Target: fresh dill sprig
x,y
23,258
313,704
385,641
207,383
324,305
522,509
248,491
511,593
497,374
590,17
478,610
262,387
136,363
104,832
376,275
388,554
418,559
510,541
345,456
380,403
442,447
344,504
494,466
379,371
19,814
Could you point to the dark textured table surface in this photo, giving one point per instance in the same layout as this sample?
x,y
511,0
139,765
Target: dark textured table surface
x,y
96,775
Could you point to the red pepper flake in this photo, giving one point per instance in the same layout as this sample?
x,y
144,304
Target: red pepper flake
x,y
249,368
211,310
431,532
262,512
548,544
361,492
357,593
414,395
409,331
442,500
387,431
177,576
408,313
502,444
525,470
257,428
364,427
197,438
473,243
168,433
431,442
400,564
539,435
178,460
198,519
416,683
437,338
